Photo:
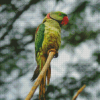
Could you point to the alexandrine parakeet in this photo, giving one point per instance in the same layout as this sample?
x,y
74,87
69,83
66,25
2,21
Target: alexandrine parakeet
x,y
48,38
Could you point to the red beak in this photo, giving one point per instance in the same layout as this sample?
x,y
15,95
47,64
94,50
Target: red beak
x,y
65,21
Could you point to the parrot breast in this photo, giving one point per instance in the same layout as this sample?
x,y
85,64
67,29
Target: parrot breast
x,y
52,37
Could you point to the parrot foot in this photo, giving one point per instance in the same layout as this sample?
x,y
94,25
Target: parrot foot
x,y
53,50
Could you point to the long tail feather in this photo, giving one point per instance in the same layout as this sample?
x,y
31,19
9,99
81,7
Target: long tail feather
x,y
42,89
48,75
36,73
43,82
44,86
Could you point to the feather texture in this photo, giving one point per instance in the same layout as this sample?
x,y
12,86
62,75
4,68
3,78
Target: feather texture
x,y
47,37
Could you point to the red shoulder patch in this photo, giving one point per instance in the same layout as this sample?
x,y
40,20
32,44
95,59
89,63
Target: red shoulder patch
x,y
37,29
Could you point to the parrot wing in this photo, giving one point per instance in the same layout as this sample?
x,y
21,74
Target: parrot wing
x,y
39,37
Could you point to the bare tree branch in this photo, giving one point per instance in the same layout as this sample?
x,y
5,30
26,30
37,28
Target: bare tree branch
x,y
78,92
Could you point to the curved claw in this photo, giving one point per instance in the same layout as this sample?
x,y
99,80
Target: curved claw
x,y
53,50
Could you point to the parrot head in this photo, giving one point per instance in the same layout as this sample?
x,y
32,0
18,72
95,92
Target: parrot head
x,y
59,17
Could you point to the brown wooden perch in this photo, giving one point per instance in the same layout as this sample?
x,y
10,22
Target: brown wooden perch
x,y
38,80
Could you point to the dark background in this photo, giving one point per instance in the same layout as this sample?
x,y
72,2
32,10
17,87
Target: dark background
x,y
80,40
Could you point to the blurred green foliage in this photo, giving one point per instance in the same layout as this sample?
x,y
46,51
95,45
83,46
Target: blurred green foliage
x,y
14,52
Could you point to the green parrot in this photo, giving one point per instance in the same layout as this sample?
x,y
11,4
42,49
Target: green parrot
x,y
47,38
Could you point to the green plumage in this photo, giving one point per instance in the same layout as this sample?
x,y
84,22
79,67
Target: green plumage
x,y
47,38
39,36
57,15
